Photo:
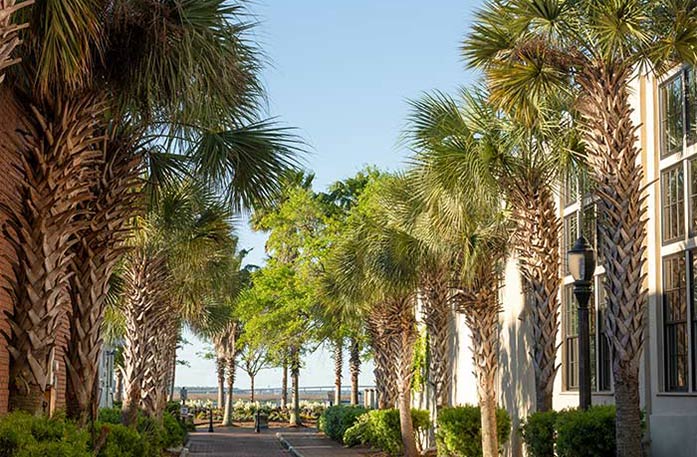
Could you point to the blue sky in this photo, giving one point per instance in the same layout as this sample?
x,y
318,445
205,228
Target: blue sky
x,y
342,73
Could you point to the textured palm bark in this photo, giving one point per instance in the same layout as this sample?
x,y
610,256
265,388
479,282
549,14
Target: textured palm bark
x,y
220,371
145,309
536,241
438,316
613,158
98,246
480,305
64,139
231,371
9,33
380,340
354,368
404,329
157,373
231,350
294,359
338,366
118,384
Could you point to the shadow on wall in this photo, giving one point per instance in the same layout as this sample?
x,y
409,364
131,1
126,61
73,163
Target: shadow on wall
x,y
516,378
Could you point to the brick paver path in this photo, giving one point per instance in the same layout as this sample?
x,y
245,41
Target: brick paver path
x,y
310,444
235,442
243,442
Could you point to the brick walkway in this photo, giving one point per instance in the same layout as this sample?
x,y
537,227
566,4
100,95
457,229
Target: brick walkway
x,y
235,442
309,444
243,442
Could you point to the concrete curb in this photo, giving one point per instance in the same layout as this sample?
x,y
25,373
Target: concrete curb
x,y
288,446
184,452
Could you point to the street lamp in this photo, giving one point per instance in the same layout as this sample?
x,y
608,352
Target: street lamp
x,y
581,261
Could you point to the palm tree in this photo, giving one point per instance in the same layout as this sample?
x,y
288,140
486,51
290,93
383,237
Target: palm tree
x,y
594,50
63,93
181,250
373,266
9,32
473,234
522,163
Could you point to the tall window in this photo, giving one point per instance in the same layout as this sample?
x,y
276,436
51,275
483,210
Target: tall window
x,y
675,322
672,204
678,112
599,348
678,189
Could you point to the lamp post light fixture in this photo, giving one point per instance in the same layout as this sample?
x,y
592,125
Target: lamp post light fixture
x,y
581,261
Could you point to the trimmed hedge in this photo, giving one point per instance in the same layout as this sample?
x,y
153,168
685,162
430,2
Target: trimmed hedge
x,y
335,420
539,434
24,435
576,433
381,429
122,441
460,430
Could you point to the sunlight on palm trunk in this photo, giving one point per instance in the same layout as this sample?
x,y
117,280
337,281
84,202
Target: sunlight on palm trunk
x,y
338,366
354,368
9,32
613,157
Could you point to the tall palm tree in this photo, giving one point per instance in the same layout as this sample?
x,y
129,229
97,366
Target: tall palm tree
x,y
594,50
9,32
522,162
71,87
178,252
473,234
373,264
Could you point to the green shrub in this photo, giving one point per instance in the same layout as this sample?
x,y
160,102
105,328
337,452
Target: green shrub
x,y
586,433
174,431
151,431
122,441
174,408
23,435
109,415
335,420
460,430
381,429
538,433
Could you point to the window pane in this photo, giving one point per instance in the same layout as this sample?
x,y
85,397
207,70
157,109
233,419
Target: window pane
x,y
691,104
604,354
672,204
570,235
675,322
570,329
672,115
571,187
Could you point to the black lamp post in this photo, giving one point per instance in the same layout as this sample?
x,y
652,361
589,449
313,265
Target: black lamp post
x,y
581,260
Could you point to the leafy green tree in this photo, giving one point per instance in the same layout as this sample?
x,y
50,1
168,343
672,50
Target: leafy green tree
x,y
531,50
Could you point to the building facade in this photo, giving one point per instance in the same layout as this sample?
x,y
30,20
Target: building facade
x,y
665,110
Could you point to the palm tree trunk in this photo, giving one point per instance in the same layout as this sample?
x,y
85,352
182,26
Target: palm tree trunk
x,y
295,380
536,241
355,368
284,383
97,249
59,156
613,158
9,38
480,306
379,321
220,368
231,371
144,308
338,366
438,315
404,337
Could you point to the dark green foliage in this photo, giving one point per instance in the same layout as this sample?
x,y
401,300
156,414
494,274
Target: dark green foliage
x,y
173,408
174,431
586,433
122,441
538,433
109,415
460,430
381,429
23,435
337,419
